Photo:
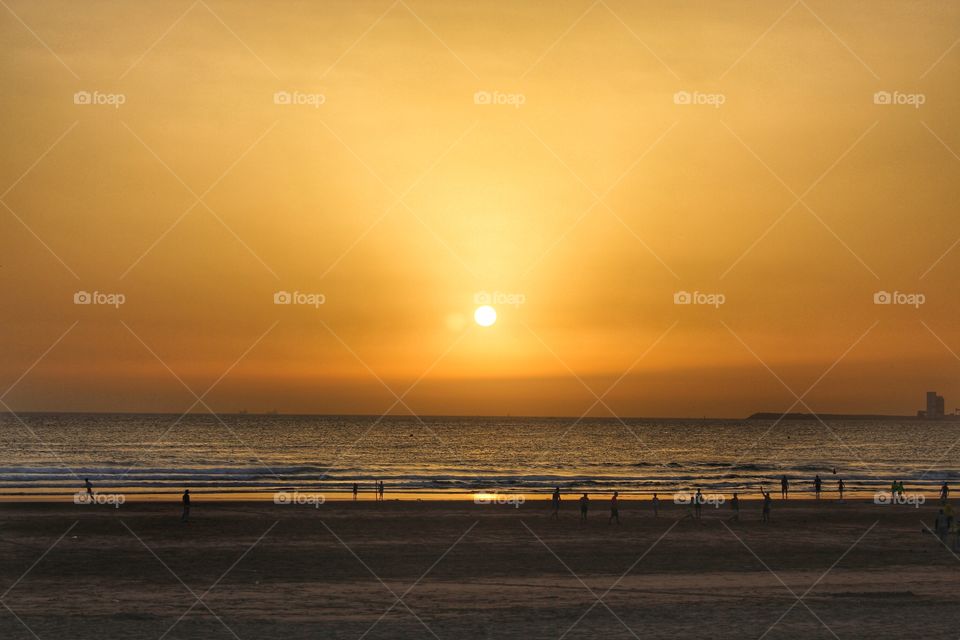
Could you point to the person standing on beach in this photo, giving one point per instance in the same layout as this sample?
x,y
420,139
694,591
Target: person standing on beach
x,y
656,505
355,490
940,525
784,487
944,492
381,491
584,504
556,503
735,506
817,485
185,517
840,488
765,515
614,511
89,486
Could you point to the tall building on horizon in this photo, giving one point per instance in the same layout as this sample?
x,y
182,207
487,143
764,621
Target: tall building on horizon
x,y
935,405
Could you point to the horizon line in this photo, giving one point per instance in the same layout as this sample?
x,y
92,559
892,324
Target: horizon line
x,y
757,415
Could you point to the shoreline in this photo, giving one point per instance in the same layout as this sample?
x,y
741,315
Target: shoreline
x,y
290,495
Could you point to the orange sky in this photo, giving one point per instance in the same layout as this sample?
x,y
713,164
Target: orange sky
x,y
589,190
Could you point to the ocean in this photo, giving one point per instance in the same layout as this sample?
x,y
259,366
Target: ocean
x,y
51,454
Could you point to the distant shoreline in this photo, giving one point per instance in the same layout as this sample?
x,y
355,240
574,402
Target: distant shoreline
x,y
845,416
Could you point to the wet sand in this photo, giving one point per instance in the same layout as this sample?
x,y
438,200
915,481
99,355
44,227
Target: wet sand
x,y
259,570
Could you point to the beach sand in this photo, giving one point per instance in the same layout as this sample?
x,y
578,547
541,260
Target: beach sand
x,y
259,570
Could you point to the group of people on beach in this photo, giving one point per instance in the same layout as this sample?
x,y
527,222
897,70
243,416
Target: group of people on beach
x,y
944,525
378,490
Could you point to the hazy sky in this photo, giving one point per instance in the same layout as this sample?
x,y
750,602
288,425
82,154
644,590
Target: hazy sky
x,y
617,153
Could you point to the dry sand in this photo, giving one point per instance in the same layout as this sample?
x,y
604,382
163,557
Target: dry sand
x,y
464,571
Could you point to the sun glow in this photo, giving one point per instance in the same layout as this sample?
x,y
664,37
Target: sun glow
x,y
485,316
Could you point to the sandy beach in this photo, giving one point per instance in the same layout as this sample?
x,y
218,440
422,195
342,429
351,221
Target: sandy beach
x,y
462,570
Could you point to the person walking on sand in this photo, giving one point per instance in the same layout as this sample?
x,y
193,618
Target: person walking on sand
x,y
765,515
185,516
944,492
784,487
356,488
735,506
555,499
89,486
584,505
381,491
697,504
817,486
656,505
614,511
840,488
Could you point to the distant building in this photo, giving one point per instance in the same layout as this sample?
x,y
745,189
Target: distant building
x,y
935,406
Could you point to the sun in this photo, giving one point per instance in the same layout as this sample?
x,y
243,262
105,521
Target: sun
x,y
485,316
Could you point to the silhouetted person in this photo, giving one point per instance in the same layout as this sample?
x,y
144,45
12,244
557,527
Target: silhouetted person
x,y
940,525
697,504
89,486
356,488
784,487
381,490
840,486
944,492
186,506
584,505
656,505
817,486
765,515
614,511
556,503
735,506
